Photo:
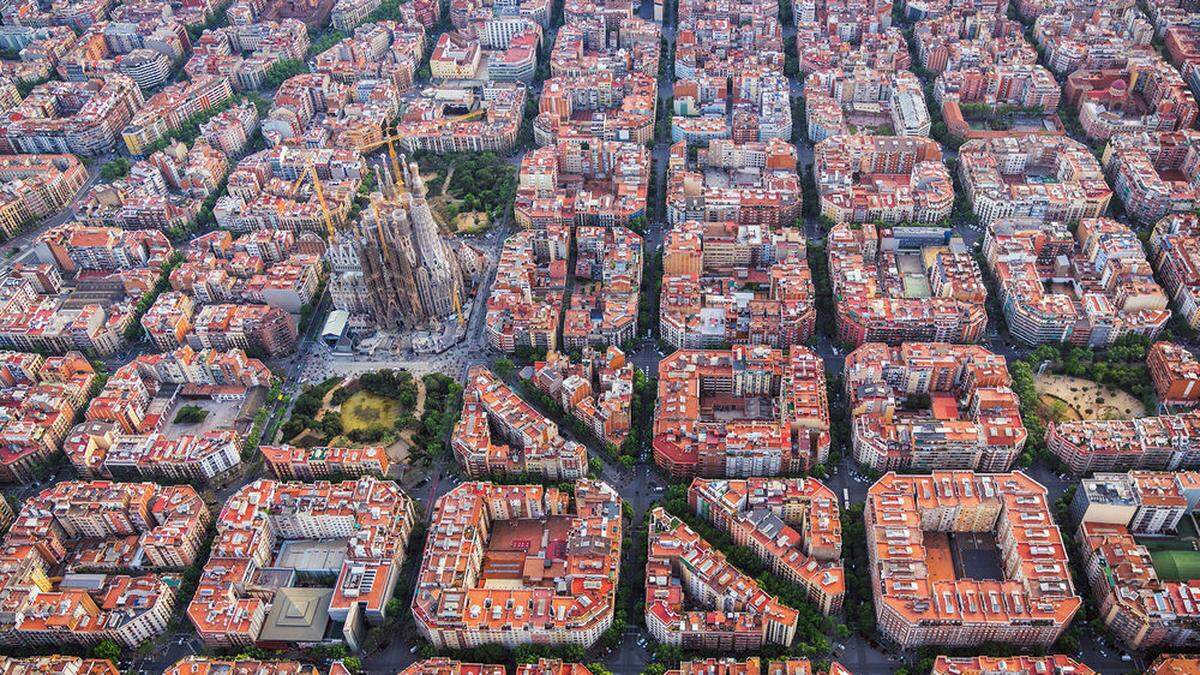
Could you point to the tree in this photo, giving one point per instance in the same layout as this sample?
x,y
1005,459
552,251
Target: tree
x,y
106,649
114,170
190,414
353,664
283,69
504,368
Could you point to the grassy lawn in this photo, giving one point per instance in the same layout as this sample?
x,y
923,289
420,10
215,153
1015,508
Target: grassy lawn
x,y
1176,565
365,409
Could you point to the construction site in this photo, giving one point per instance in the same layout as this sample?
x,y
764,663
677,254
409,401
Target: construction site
x,y
392,269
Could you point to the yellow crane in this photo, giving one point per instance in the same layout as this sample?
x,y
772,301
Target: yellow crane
x,y
312,171
458,307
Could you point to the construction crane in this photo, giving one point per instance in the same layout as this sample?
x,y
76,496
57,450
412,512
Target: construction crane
x,y
312,172
458,307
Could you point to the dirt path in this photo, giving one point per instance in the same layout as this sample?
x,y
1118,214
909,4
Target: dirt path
x,y
326,399
398,451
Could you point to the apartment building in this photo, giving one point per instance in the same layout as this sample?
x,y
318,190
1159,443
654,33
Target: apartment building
x,y
930,405
1147,502
837,101
740,412
56,663
1141,610
74,248
164,192
558,553
245,51
792,524
37,313
904,284
1155,443
1146,95
967,37
725,283
231,130
1025,597
95,530
751,183
200,665
597,390
257,328
441,665
498,432
1018,665
754,666
1173,664
758,96
126,399
235,602
467,118
729,57
102,449
1076,36
1173,246
527,300
606,65
1089,287
602,105
38,402
36,186
1176,375
1153,172
382,50
169,109
289,462
685,573
1046,178
582,181
603,305
882,179
848,34
81,118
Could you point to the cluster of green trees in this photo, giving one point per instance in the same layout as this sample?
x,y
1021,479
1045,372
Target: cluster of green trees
x,y
818,265
662,126
191,414
27,86
306,407
215,20
651,290
134,329
482,182
813,630
107,649
258,427
645,390
115,170
395,384
325,42
859,604
443,405
283,69
189,131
